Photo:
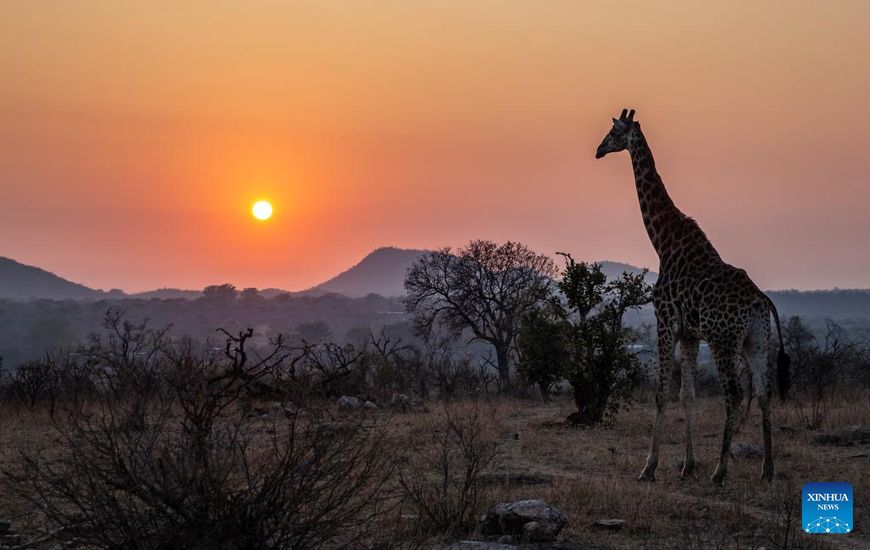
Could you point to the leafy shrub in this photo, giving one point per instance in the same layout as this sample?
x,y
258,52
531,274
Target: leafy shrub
x,y
580,335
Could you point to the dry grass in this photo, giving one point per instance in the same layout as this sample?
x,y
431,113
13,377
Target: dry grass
x,y
590,473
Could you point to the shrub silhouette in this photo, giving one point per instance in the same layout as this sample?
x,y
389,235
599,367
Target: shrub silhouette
x,y
188,466
579,335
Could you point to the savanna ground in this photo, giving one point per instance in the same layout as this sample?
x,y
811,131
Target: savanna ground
x,y
590,473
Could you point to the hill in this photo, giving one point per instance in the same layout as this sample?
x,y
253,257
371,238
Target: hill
x,y
24,282
614,269
381,272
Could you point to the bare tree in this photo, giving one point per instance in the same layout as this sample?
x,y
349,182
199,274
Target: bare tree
x,y
820,365
441,479
36,381
484,288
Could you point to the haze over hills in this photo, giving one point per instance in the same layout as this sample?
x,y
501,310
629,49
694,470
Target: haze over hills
x,y
25,282
168,294
382,272
41,310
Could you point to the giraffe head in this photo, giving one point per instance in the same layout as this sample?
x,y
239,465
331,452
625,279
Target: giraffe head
x,y
620,135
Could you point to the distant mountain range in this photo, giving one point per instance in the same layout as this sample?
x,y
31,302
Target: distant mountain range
x,y
381,272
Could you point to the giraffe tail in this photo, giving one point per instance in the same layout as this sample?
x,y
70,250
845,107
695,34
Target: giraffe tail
x,y
783,361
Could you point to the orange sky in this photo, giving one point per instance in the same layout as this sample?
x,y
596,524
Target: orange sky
x,y
135,136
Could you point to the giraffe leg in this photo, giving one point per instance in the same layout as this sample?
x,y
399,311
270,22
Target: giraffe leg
x,y
688,367
666,364
744,373
762,363
725,358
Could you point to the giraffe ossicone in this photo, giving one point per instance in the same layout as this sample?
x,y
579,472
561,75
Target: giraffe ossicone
x,y
698,296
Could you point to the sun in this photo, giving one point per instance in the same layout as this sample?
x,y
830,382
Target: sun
x,y
262,210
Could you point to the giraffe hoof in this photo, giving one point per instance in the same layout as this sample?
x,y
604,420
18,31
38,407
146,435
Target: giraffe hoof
x,y
718,478
648,474
767,470
688,470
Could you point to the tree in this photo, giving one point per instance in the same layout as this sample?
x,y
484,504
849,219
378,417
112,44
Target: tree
x,y
36,381
544,351
484,288
602,370
220,293
251,296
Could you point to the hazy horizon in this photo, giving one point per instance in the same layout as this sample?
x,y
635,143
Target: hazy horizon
x,y
135,137
353,263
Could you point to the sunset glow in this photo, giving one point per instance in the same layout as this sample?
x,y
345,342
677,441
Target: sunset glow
x,y
138,127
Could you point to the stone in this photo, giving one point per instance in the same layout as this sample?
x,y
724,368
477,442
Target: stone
x,y
349,403
528,520
368,405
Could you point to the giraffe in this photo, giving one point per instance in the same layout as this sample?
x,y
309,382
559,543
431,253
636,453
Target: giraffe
x,y
699,297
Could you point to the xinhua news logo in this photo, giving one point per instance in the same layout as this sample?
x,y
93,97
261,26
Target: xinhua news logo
x,y
828,508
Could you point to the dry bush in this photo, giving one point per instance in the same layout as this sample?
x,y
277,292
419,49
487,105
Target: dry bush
x,y
185,466
822,365
440,477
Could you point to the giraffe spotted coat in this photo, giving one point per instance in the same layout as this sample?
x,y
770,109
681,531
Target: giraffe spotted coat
x,y
698,297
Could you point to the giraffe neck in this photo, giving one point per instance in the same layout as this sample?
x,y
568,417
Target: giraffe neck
x,y
675,236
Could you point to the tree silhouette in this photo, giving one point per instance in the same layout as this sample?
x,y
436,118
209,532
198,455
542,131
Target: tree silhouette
x,y
484,288
220,293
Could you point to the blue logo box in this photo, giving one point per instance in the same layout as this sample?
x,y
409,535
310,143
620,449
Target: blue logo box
x,y
828,508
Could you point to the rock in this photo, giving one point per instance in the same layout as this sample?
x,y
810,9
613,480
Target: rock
x,y
510,436
368,405
613,524
538,531
349,403
528,520
401,402
845,437
746,450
